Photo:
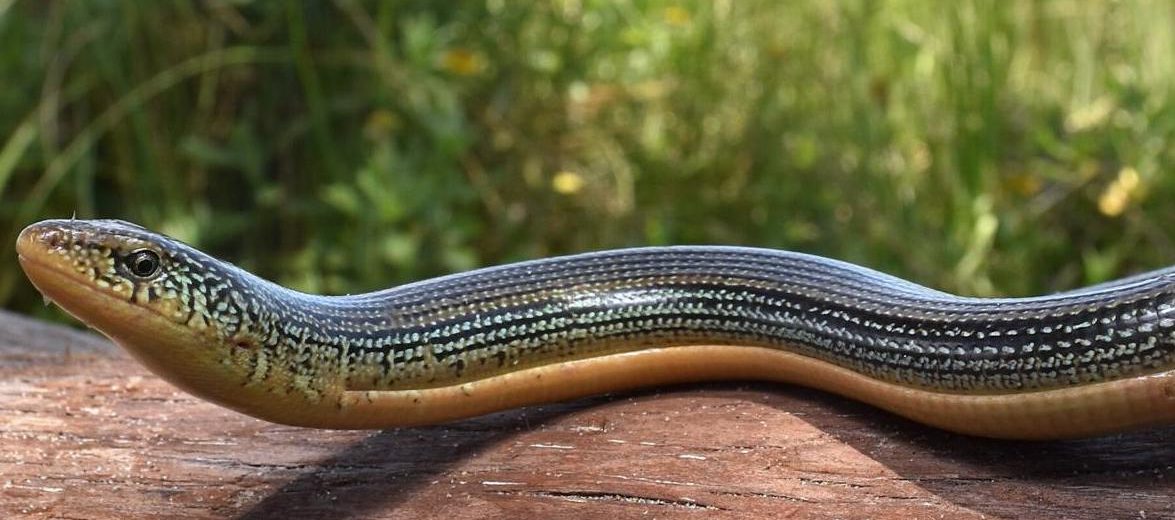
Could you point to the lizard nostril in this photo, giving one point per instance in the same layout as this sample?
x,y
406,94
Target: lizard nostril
x,y
39,236
53,237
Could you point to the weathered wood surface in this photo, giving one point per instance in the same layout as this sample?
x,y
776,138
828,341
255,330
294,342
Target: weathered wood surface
x,y
86,433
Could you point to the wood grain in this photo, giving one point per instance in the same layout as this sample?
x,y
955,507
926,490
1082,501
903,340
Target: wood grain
x,y
87,433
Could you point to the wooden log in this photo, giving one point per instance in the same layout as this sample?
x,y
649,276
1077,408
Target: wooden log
x,y
85,432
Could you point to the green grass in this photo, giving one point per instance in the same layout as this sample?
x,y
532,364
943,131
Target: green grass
x,y
990,148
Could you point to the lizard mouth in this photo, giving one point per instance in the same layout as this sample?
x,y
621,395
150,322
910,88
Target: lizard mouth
x,y
47,253
68,289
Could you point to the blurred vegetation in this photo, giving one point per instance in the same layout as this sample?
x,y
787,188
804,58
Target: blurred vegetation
x,y
981,147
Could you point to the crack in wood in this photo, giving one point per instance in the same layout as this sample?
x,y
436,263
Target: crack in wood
x,y
604,496
832,483
763,494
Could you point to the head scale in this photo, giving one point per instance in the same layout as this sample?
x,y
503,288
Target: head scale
x,y
198,322
120,260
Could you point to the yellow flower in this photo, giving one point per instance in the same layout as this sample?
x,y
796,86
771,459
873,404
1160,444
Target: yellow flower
x,y
462,62
1117,195
1090,116
567,182
676,16
1024,184
380,124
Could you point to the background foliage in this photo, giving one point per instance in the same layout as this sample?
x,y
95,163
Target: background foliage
x,y
982,147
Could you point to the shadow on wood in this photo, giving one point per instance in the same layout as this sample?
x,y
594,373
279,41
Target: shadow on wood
x,y
87,433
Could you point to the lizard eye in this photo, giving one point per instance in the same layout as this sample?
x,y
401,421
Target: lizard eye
x,y
143,263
